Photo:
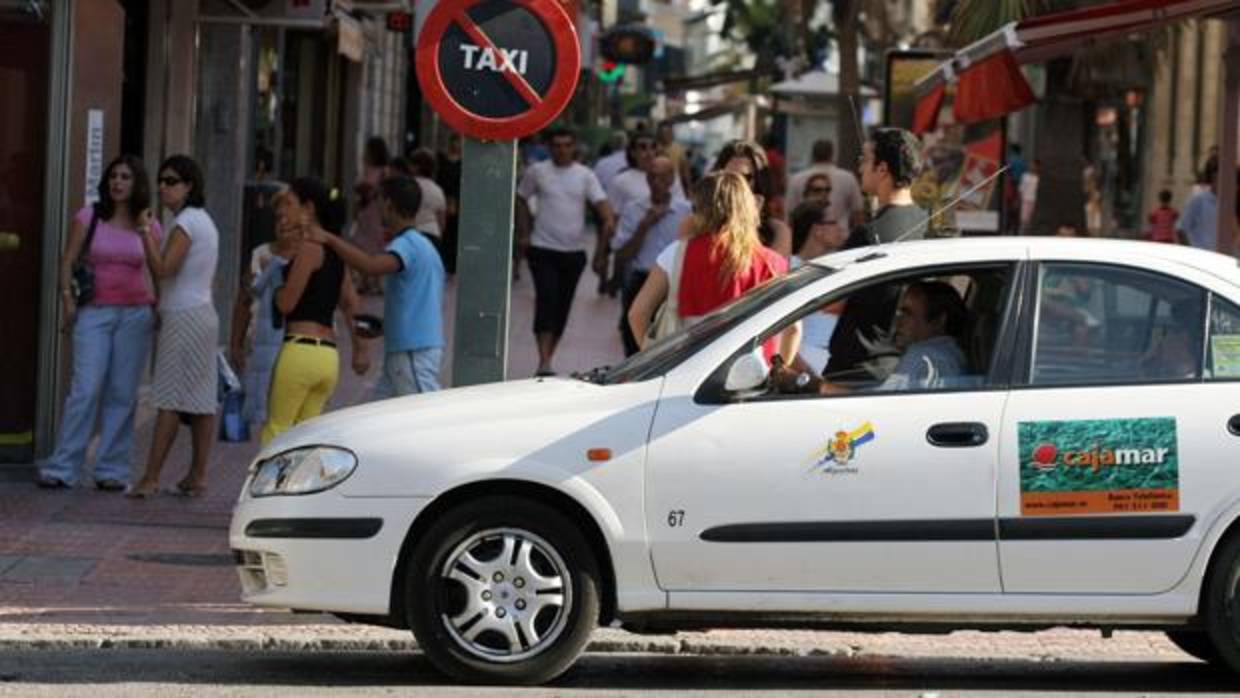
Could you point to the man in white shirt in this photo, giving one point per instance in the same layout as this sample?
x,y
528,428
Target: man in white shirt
x,y
846,203
647,225
555,244
613,163
433,213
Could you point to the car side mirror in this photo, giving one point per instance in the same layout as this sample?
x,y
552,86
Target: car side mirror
x,y
748,374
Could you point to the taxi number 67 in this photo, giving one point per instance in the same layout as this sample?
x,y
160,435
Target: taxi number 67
x,y
675,518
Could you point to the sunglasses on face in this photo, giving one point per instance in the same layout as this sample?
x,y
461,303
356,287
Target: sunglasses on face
x,y
820,190
170,181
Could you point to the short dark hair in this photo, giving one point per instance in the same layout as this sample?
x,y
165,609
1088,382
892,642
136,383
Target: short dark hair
x,y
423,161
1209,173
805,216
942,300
376,152
191,174
264,157
900,150
560,132
763,183
1015,148
823,150
401,166
1165,196
403,193
139,195
328,208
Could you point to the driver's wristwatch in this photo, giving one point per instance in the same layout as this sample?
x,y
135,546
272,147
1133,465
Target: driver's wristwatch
x,y
803,380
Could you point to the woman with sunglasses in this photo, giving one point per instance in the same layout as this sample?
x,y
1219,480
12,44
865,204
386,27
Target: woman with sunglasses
x,y
184,383
748,159
315,285
111,330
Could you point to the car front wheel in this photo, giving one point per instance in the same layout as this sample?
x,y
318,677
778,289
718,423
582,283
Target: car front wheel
x,y
503,590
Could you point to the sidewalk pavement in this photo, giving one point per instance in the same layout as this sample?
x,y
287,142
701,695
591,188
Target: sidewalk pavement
x,y
88,569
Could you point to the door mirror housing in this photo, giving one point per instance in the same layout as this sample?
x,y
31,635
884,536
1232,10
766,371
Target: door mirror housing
x,y
747,375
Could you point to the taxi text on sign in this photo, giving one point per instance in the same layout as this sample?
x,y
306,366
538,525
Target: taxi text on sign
x,y
498,69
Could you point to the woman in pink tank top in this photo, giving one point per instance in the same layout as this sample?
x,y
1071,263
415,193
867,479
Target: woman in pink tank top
x,y
111,330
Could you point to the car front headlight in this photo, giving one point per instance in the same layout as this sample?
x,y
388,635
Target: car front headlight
x,y
302,471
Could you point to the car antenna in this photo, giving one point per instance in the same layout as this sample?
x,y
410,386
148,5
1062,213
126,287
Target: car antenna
x,y
856,116
950,204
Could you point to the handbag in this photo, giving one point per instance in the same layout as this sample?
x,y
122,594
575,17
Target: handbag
x,y
233,426
82,280
667,318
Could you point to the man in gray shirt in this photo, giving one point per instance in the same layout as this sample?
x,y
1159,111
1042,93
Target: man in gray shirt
x,y
890,161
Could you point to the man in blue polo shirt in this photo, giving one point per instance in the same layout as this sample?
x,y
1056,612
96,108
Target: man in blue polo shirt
x,y
413,292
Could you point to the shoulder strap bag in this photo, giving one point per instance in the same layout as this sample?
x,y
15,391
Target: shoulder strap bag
x,y
667,318
82,281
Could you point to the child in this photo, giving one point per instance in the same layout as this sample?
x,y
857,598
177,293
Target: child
x,y
1162,220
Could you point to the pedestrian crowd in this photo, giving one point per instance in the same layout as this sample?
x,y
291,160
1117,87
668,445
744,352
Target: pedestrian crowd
x,y
673,237
130,285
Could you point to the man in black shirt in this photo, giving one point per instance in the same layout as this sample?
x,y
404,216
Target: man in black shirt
x,y
890,161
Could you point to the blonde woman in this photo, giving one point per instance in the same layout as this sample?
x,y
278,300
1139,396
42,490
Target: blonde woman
x,y
720,261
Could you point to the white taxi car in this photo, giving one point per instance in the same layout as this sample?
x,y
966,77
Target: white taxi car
x,y
1076,462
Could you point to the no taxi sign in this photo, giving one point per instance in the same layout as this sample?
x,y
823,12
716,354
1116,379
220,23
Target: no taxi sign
x,y
498,69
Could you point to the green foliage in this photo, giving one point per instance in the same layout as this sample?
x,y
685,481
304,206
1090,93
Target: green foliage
x,y
975,19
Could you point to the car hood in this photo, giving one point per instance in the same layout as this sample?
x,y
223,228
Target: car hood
x,y
458,407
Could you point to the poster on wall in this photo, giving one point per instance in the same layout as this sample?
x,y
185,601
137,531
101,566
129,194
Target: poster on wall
x,y
94,154
957,157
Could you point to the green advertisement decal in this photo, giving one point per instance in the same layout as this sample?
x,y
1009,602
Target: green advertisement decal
x,y
1099,466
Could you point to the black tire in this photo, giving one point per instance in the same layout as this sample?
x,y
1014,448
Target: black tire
x,y
1222,604
545,542
1198,644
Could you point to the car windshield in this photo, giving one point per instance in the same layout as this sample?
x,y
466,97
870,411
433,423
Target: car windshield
x,y
669,352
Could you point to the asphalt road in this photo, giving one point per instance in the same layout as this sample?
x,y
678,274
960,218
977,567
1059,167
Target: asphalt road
x,y
171,674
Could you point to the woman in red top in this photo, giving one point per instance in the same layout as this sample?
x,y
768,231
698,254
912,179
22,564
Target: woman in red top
x,y
720,261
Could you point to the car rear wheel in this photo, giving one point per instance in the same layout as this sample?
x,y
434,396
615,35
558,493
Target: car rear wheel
x,y
502,590
1198,644
1222,603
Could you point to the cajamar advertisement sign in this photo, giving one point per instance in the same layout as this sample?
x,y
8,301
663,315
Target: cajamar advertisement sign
x,y
1092,466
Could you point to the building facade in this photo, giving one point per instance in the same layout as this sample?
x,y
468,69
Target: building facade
x,y
84,80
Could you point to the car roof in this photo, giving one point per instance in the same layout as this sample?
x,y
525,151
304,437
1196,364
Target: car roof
x,y
1220,265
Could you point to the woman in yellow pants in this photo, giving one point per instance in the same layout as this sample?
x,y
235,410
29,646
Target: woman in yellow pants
x,y
315,286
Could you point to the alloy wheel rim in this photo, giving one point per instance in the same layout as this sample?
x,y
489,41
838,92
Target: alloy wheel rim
x,y
504,595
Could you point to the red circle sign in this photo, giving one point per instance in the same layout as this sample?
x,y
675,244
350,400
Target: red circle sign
x,y
498,69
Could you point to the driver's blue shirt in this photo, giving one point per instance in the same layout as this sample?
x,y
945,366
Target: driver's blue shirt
x,y
928,365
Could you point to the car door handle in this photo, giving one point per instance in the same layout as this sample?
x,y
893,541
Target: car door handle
x,y
957,434
1233,425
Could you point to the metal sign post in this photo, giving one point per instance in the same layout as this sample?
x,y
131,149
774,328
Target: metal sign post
x,y
484,262
494,70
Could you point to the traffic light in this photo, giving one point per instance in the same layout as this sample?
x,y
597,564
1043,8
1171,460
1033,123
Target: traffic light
x,y
632,44
610,71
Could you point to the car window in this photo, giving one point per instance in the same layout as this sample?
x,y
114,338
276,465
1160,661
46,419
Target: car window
x,y
927,331
670,351
1099,324
1224,345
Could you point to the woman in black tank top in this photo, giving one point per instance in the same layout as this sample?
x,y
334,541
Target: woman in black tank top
x,y
315,286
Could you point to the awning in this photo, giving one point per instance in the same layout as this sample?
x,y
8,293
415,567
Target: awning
x,y
987,75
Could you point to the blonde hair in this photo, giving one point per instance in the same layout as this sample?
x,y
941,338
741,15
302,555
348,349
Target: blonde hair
x,y
724,208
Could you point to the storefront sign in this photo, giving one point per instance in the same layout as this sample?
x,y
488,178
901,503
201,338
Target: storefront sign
x,y
94,154
1099,466
498,69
